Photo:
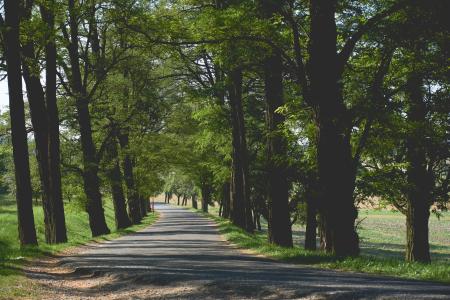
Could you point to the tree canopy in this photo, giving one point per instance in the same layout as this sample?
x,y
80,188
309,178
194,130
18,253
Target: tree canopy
x,y
291,111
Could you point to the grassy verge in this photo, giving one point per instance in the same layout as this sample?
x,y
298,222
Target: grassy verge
x,y
13,283
437,271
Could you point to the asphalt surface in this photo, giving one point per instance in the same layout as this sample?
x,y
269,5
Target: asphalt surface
x,y
184,251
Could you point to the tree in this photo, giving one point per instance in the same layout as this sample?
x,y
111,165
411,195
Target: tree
x,y
27,231
53,123
45,120
91,182
280,232
406,165
115,177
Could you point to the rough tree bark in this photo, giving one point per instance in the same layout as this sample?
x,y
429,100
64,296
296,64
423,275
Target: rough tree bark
x,y
333,150
91,180
27,231
419,194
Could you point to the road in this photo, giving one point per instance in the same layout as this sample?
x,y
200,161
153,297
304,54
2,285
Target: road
x,y
182,256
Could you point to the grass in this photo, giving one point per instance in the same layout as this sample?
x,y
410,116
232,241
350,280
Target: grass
x,y
383,233
13,283
382,247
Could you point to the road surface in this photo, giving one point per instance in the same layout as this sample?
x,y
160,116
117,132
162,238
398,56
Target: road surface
x,y
182,256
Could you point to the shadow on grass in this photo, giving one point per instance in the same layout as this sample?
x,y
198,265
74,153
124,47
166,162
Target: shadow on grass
x,y
12,259
9,270
397,251
14,255
8,211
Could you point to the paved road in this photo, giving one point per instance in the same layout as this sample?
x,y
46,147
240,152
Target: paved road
x,y
183,253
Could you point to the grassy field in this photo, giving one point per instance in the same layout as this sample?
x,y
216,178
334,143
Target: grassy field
x,y
382,235
12,281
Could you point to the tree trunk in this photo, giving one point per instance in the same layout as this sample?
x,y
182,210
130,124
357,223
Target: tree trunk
x,y
324,235
194,202
334,156
91,181
257,220
206,196
419,194
27,231
36,100
115,178
94,205
226,200
134,205
143,206
241,214
280,232
54,159
311,226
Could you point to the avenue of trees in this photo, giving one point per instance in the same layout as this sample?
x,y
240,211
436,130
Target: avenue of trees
x,y
287,110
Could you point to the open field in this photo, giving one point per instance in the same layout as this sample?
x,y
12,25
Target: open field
x,y
383,234
12,281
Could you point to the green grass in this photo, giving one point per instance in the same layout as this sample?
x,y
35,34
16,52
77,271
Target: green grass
x,y
382,247
383,233
12,281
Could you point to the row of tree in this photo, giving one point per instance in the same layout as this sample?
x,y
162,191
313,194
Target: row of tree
x,y
272,108
74,58
317,105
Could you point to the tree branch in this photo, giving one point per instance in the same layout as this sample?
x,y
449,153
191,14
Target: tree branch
x,y
347,50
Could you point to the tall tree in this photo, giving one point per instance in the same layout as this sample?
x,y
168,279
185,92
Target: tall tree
x,y
241,214
333,147
27,231
47,143
418,177
94,206
54,155
116,181
134,205
280,231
